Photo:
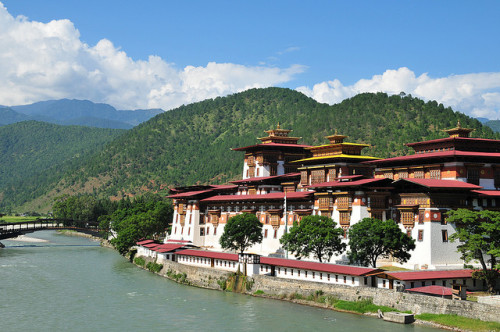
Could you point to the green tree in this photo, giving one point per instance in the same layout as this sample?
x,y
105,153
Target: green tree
x,y
479,236
241,232
372,238
317,235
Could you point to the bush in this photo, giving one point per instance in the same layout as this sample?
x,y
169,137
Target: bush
x,y
154,267
259,292
139,261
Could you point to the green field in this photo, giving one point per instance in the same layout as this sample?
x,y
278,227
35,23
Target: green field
x,y
7,219
460,322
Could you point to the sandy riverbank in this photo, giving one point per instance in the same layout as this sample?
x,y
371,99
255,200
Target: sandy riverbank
x,y
24,238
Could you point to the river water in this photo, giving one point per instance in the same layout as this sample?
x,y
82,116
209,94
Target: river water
x,y
73,284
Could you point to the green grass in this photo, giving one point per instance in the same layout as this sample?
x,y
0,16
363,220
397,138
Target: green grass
x,y
393,268
259,292
8,219
460,322
362,306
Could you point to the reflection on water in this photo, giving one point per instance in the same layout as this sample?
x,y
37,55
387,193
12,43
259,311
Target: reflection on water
x,y
72,284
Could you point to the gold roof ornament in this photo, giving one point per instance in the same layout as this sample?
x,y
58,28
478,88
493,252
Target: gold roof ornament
x,y
459,131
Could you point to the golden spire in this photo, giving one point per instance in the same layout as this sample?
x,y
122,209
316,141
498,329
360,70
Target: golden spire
x,y
278,125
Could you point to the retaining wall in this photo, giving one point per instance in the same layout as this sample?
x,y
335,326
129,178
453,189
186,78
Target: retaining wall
x,y
208,278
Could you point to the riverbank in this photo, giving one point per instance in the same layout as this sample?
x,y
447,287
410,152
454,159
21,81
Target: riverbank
x,y
342,299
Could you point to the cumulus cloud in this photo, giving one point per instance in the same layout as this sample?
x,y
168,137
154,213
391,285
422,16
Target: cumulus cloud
x,y
475,94
40,61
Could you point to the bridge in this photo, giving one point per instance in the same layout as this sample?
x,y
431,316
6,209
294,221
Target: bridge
x,y
11,230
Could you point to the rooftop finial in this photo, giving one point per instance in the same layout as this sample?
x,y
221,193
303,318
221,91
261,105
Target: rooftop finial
x,y
458,124
278,125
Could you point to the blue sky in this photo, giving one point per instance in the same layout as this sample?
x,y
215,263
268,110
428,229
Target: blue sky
x,y
166,53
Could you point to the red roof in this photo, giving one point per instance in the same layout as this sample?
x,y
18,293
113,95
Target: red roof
x,y
261,178
144,242
433,155
272,196
151,245
315,266
465,139
349,177
433,183
275,145
427,275
223,186
433,290
168,247
488,193
346,183
208,254
190,193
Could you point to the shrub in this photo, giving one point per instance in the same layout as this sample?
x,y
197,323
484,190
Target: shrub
x,y
139,261
259,292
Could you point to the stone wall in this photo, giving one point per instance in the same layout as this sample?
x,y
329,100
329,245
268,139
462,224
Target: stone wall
x,y
195,276
210,278
402,301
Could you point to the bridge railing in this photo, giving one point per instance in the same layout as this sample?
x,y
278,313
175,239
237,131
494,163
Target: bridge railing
x,y
11,228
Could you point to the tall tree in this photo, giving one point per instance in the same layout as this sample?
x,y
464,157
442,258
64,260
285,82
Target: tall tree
x,y
372,238
479,236
317,235
241,232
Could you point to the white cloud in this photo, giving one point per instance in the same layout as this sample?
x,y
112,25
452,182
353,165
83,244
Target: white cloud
x,y
40,61
475,94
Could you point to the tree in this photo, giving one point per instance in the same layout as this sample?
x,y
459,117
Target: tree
x,y
241,232
317,235
479,236
372,238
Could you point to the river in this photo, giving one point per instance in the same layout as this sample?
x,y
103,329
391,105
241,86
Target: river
x,y
73,284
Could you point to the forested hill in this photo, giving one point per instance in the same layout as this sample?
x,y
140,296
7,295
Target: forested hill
x,y
191,144
35,155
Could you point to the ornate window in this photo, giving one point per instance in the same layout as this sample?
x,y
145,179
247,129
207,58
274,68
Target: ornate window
x,y
345,218
435,174
317,176
419,174
303,178
420,234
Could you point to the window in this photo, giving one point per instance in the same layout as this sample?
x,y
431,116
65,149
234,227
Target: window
x,y
389,175
215,230
433,282
324,202
473,176
352,278
208,231
314,274
298,273
336,278
321,276
407,217
317,176
291,272
328,275
403,174
383,283
306,274
419,174
345,218
265,233
423,283
435,174
444,283
408,232
275,234
303,178
202,231
421,216
366,281
189,231
420,234
444,235
285,271
345,279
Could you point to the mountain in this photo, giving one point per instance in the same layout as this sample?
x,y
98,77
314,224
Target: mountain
x,y
8,116
482,120
84,113
494,125
36,154
191,144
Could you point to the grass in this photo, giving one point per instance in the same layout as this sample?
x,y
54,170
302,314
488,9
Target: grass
x,y
362,306
10,219
393,268
460,322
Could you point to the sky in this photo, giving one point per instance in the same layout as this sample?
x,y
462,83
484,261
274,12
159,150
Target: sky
x,y
163,54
